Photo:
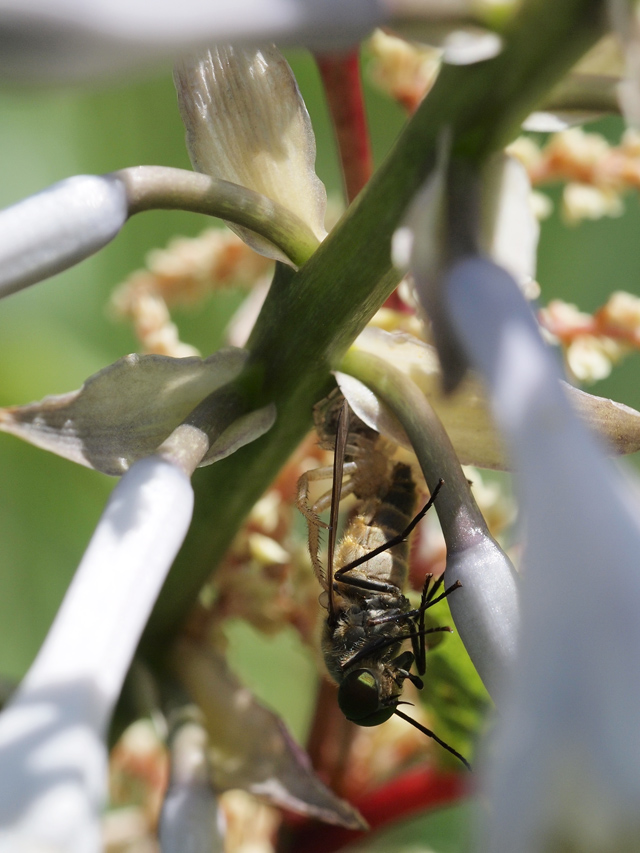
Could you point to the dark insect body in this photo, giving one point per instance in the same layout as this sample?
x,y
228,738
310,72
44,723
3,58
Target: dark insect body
x,y
368,616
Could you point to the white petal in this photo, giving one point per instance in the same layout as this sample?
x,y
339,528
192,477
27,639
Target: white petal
x,y
247,123
510,228
52,750
572,716
464,47
554,122
190,821
72,39
58,227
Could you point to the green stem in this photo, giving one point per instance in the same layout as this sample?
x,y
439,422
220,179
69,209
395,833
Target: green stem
x,y
461,521
164,188
309,319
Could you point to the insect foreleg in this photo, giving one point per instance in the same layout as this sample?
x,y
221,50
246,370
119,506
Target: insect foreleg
x,y
365,583
427,600
312,514
402,665
380,643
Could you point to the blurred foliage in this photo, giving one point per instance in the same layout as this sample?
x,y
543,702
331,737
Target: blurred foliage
x,y
453,692
443,831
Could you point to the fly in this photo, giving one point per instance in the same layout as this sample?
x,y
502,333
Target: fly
x,y
368,617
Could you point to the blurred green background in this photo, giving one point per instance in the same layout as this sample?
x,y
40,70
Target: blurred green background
x,y
58,333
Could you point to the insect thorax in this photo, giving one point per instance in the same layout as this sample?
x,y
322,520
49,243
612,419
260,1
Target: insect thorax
x,y
355,631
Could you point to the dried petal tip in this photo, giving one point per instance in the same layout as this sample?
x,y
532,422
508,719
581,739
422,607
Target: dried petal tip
x,y
247,123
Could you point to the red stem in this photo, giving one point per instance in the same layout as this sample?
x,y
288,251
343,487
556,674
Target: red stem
x,y
412,793
340,74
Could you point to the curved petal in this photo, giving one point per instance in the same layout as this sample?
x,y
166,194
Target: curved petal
x,y
247,123
124,412
53,757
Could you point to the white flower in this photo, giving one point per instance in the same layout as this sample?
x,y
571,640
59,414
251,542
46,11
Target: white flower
x,y
52,750
566,773
73,40
59,227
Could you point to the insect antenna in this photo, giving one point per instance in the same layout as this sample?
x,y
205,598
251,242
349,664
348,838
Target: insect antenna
x,y
342,433
435,737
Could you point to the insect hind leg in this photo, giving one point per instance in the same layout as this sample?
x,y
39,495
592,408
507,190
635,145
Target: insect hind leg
x,y
311,512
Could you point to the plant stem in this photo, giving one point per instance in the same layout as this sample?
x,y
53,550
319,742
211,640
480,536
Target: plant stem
x,y
340,74
165,188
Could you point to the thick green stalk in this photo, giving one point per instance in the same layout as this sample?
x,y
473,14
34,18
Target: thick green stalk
x,y
461,521
311,317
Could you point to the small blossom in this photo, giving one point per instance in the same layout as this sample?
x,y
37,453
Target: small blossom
x,y
591,358
525,149
266,550
542,207
404,70
581,201
187,270
622,311
583,150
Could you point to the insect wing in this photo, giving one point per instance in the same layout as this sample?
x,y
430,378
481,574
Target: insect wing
x,y
342,434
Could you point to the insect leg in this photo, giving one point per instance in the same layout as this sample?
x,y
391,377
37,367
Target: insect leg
x,y
379,643
312,513
426,601
396,540
342,433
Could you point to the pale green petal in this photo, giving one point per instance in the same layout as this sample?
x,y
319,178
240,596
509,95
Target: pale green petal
x,y
465,414
125,411
247,123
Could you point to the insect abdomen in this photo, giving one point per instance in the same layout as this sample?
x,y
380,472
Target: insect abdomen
x,y
398,503
378,522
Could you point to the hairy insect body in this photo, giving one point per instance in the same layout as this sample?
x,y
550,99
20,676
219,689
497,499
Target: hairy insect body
x,y
357,609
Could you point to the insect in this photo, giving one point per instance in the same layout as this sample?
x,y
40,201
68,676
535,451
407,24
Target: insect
x,y
368,617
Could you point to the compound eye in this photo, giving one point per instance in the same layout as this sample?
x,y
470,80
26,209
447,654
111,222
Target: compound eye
x,y
359,699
